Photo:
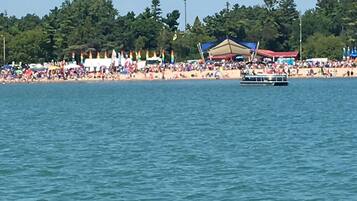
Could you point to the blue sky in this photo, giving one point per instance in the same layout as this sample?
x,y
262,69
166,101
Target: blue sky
x,y
195,8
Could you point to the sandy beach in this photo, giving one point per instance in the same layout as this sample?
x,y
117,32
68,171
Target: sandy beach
x,y
303,73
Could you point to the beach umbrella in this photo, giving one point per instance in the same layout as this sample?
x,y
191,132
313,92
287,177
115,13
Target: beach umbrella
x,y
155,54
105,55
18,72
90,55
354,55
7,67
54,68
37,67
98,55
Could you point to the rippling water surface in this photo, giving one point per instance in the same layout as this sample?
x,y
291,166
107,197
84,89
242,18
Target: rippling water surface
x,y
186,140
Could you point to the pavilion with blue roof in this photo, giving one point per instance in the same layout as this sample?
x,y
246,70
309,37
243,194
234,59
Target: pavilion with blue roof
x,y
228,48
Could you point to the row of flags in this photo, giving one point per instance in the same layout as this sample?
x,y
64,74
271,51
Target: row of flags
x,y
349,52
133,55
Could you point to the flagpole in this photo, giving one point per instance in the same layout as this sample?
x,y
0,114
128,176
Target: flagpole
x,y
185,13
300,38
256,51
201,52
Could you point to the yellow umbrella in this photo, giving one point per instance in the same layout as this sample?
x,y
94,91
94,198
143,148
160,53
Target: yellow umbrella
x,y
54,68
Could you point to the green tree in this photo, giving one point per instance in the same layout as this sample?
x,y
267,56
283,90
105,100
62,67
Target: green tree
x,y
332,10
28,22
322,46
286,15
155,9
83,25
349,21
140,42
171,20
28,46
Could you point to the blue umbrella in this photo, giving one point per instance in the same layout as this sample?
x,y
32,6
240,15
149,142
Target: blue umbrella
x,y
7,67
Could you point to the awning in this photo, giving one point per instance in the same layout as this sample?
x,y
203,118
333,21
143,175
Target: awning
x,y
205,47
272,54
228,46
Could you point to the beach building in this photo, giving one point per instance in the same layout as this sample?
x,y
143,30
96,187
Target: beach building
x,y
230,48
227,49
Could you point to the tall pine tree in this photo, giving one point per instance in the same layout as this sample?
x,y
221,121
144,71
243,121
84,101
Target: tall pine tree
x,y
156,9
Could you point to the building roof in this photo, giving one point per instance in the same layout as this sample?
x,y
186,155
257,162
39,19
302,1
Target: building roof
x,y
205,47
272,54
229,47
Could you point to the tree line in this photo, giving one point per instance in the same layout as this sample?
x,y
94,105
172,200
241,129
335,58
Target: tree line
x,y
95,25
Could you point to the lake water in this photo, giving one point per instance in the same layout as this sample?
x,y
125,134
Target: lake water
x,y
179,140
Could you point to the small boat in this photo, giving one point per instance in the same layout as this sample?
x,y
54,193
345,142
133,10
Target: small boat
x,y
265,79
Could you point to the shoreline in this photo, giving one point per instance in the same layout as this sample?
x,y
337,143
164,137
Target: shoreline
x,y
308,73
90,81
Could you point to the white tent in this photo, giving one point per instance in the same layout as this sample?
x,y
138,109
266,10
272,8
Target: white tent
x,y
96,64
71,66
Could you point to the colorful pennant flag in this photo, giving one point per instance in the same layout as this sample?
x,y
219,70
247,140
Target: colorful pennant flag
x,y
163,56
139,55
131,55
172,57
114,55
348,52
82,58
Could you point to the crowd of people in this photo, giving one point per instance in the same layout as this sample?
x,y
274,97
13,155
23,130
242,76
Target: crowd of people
x,y
209,69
